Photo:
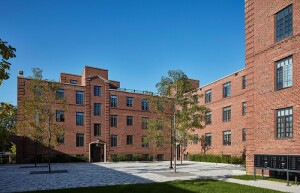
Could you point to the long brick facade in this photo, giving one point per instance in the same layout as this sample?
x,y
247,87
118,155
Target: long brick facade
x,y
71,84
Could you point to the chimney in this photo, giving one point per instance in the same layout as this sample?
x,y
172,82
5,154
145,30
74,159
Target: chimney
x,y
21,73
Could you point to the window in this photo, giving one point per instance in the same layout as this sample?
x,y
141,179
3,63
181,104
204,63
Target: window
x,y
284,23
113,101
160,124
160,157
144,142
185,142
97,129
226,137
243,82
227,113
38,91
113,121
97,109
208,96
244,108
208,139
113,141
284,123
79,97
61,138
129,120
244,134
129,139
73,82
79,118
60,94
79,139
145,104
196,139
208,118
129,101
195,98
97,90
160,142
60,116
226,89
145,122
284,73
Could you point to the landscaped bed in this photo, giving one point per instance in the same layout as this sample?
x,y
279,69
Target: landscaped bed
x,y
193,186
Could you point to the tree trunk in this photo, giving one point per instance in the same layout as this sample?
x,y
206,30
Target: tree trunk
x,y
35,152
49,146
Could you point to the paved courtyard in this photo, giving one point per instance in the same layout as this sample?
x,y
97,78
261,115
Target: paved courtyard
x,y
16,178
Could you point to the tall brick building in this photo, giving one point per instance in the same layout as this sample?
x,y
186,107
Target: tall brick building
x,y
273,75
252,111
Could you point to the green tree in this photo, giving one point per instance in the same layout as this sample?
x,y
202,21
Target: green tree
x,y
7,52
38,111
204,144
8,114
158,131
188,114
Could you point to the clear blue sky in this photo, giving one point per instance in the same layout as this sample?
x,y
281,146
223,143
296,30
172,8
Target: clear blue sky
x,y
138,41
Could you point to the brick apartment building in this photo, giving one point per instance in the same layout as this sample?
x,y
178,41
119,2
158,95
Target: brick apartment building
x,y
254,110
101,120
225,125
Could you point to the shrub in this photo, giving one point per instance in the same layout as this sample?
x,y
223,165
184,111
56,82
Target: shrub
x,y
217,158
130,157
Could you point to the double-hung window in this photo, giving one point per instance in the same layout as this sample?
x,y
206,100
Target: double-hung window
x,y
79,118
60,116
97,109
79,97
113,101
227,113
226,89
284,123
226,137
284,73
284,23
97,90
208,139
208,95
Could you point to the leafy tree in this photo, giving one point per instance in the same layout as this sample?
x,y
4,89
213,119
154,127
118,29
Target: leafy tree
x,y
7,52
187,113
38,111
158,131
204,144
8,114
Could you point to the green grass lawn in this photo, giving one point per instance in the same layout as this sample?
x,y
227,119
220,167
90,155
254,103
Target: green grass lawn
x,y
193,186
258,177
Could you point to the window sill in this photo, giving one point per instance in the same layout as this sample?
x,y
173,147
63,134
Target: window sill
x,y
284,138
283,88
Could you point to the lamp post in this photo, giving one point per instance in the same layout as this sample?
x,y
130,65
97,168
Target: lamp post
x,y
171,152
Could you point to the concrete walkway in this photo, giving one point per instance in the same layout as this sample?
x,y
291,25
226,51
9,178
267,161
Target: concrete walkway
x,y
14,178
266,184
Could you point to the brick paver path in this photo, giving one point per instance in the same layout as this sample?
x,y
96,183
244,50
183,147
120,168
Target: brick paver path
x,y
14,178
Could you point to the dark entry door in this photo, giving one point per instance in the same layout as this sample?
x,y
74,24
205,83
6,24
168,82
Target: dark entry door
x,y
97,152
178,152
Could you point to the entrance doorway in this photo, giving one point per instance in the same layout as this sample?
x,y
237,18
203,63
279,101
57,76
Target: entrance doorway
x,y
178,152
97,152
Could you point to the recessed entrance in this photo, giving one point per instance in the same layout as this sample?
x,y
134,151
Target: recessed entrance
x,y
97,152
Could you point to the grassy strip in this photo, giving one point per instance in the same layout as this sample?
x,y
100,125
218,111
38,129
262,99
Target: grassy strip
x,y
193,186
258,177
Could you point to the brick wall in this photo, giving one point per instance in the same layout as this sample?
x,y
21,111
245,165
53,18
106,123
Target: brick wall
x,y
216,128
262,51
